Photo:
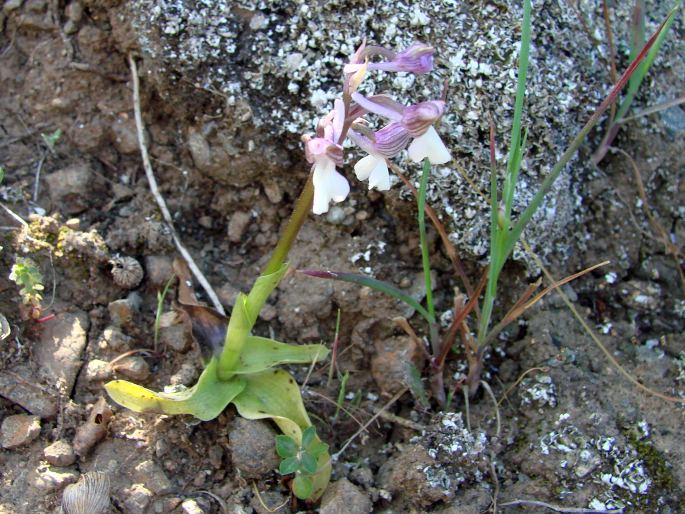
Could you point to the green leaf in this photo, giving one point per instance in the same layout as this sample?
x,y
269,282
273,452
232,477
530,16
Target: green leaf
x,y
377,285
286,446
308,463
415,385
2,174
308,436
318,449
261,353
205,400
243,318
288,466
303,487
274,394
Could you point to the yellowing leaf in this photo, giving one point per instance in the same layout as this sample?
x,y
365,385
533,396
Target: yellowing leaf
x,y
205,400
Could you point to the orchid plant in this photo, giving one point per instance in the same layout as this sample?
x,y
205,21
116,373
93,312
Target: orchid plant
x,y
240,367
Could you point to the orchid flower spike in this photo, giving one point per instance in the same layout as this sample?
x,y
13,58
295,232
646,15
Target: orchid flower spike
x,y
417,120
324,152
418,59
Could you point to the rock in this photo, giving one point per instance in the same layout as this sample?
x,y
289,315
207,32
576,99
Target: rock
x,y
342,497
34,399
237,226
97,371
94,429
159,269
124,135
150,474
58,352
19,430
133,367
186,375
71,188
176,337
114,339
192,507
389,365
90,135
122,312
402,475
137,498
253,448
49,479
60,453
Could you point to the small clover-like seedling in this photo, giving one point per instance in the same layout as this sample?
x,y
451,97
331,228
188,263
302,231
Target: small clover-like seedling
x,y
302,460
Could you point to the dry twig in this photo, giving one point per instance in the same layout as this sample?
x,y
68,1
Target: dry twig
x,y
199,276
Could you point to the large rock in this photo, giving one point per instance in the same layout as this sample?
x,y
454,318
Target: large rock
x,y
59,350
271,70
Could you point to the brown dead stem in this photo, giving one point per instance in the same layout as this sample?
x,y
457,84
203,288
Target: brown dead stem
x,y
669,247
449,247
595,338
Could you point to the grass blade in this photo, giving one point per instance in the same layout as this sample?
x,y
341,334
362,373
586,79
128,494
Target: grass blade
x,y
377,285
546,185
425,256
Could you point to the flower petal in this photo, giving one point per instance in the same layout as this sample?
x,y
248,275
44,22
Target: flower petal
x,y
328,185
380,178
364,167
429,145
375,169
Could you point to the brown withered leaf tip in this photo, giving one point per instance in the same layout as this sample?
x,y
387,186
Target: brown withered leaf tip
x,y
208,326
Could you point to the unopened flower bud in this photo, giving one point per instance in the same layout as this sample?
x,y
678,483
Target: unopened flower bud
x,y
418,118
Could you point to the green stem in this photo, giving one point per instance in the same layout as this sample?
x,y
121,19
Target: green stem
x,y
425,256
242,320
302,207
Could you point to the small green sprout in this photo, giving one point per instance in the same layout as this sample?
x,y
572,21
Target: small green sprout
x,y
301,459
50,140
27,276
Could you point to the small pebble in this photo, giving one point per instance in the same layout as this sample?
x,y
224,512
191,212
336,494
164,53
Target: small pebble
x,y
19,430
342,497
134,367
237,226
192,507
137,498
98,370
159,269
336,215
253,447
114,339
150,474
121,312
50,479
186,375
60,453
175,337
